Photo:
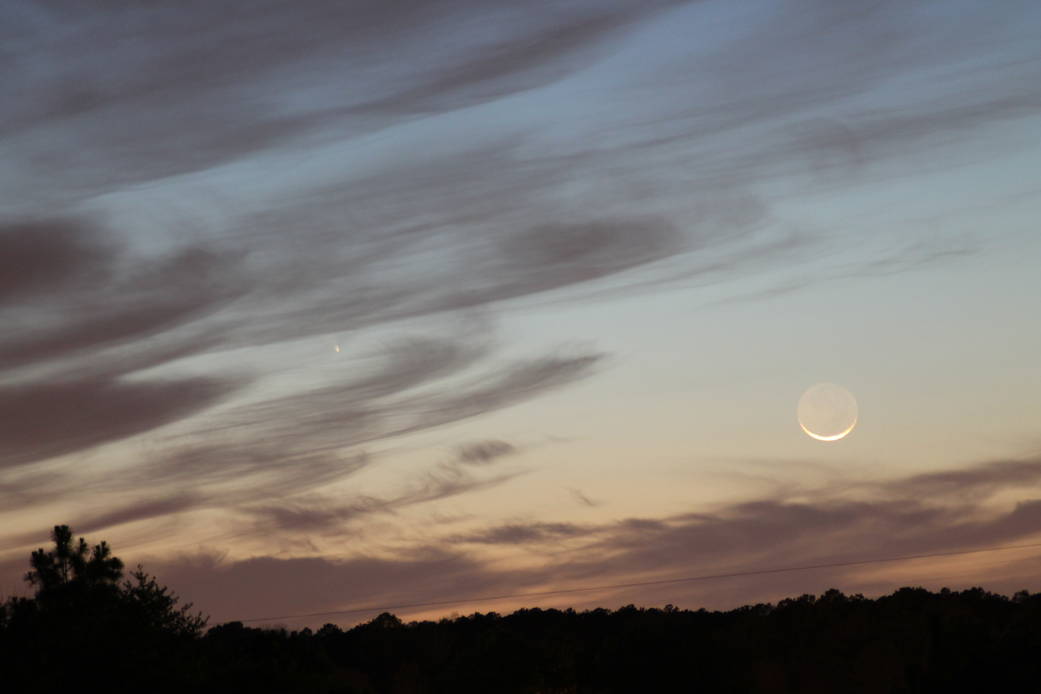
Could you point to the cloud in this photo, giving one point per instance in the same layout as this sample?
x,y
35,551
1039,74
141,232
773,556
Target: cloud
x,y
312,513
268,586
767,533
194,480
490,391
484,452
581,498
190,89
975,483
781,532
290,435
28,489
412,392
43,420
475,225
103,299
524,533
540,55
39,257
555,254
761,534
265,457
141,510
778,532
81,308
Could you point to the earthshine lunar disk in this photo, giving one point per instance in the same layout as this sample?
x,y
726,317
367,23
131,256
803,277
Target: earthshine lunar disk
x,y
827,412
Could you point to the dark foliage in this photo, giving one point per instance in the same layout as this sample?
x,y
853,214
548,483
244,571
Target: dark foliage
x,y
86,622
84,625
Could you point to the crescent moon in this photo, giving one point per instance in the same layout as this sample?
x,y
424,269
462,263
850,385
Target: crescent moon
x,y
835,437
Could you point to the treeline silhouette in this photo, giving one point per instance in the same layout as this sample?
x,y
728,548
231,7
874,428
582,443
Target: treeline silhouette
x,y
88,628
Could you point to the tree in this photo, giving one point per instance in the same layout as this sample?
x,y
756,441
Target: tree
x,y
85,614
75,577
70,563
157,606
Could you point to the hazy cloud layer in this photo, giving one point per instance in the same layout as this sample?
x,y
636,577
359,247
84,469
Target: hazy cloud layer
x,y
760,534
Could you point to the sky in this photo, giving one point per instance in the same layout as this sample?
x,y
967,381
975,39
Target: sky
x,y
330,306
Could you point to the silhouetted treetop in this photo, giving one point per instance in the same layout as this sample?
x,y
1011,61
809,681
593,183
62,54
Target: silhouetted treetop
x,y
71,562
85,617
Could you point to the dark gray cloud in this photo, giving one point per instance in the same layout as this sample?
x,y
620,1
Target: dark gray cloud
x,y
45,256
76,302
484,452
83,292
141,510
975,482
39,421
524,533
268,586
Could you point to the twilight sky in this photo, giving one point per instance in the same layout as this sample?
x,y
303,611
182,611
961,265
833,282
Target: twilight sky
x,y
317,305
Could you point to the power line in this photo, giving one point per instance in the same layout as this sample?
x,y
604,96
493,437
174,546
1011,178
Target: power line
x,y
637,584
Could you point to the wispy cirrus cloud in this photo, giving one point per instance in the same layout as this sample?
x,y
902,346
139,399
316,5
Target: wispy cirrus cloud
x,y
188,96
312,514
265,458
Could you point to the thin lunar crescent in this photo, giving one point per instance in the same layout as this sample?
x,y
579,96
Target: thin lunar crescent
x,y
827,412
836,437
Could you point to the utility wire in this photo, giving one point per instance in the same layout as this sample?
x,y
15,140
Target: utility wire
x,y
636,584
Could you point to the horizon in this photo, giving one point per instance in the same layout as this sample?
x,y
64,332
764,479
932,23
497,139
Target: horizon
x,y
377,303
